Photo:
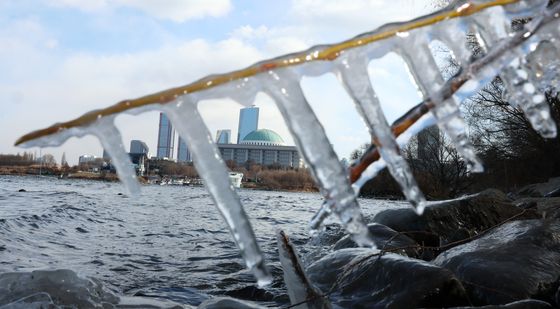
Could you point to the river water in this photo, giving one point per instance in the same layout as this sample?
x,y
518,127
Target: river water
x,y
170,242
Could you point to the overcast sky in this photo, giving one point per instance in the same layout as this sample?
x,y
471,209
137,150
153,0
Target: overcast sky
x,y
62,58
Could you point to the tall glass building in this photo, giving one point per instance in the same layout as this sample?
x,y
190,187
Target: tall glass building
x,y
248,122
223,136
137,146
166,138
183,153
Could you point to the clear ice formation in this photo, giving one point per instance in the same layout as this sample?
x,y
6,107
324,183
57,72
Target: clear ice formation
x,y
423,68
308,133
526,66
520,85
302,293
184,115
354,75
111,140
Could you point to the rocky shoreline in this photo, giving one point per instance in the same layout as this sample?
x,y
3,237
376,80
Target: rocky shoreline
x,y
483,250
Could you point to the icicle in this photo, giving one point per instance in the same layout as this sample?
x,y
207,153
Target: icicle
x,y
447,33
503,54
353,74
429,80
525,8
521,93
185,117
519,90
543,66
111,140
424,122
309,135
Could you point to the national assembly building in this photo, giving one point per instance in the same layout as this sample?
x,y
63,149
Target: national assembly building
x,y
264,147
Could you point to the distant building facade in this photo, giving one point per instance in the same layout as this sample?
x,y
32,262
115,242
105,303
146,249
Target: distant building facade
x,y
137,146
223,136
166,138
263,147
248,122
83,159
106,156
183,153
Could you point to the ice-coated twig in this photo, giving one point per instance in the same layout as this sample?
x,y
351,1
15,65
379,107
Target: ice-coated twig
x,y
302,293
355,78
111,140
283,86
185,117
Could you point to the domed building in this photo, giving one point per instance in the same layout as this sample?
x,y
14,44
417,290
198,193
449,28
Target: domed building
x,y
262,146
263,137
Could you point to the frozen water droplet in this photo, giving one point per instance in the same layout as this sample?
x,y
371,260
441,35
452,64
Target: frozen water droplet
x,y
404,34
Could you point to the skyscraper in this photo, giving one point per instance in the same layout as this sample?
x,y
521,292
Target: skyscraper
x,y
223,136
166,138
183,153
248,122
137,146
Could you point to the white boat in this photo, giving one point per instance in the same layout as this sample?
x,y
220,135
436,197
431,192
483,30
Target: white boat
x,y
235,179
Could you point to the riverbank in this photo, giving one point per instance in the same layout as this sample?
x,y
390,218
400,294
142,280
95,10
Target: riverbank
x,y
270,182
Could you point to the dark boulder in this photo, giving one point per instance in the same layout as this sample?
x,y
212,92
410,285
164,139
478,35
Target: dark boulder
x,y
251,293
385,238
544,189
522,304
447,223
228,303
63,288
360,278
546,207
330,234
516,261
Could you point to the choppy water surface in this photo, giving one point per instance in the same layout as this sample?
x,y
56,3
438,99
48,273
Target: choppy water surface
x,y
170,242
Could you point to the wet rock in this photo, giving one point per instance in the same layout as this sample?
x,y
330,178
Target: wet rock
x,y
546,207
63,288
553,193
358,278
515,261
22,190
385,238
449,222
522,304
228,303
251,293
552,186
330,234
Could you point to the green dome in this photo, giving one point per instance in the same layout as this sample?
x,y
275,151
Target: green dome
x,y
263,137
